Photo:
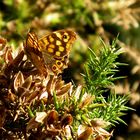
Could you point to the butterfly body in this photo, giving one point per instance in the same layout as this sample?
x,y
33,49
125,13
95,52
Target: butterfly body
x,y
51,51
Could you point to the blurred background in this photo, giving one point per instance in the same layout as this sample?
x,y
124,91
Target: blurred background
x,y
90,19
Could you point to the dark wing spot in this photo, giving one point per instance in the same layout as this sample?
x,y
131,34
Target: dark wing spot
x,y
65,36
54,68
58,63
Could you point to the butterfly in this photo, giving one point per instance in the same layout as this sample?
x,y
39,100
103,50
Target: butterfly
x,y
51,52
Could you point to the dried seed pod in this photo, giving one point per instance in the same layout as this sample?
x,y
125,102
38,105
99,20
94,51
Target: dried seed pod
x,y
98,122
40,116
23,88
64,89
52,118
2,116
13,65
43,96
18,81
59,83
86,134
88,99
100,132
3,42
53,131
32,96
27,82
67,119
8,55
51,85
3,81
32,124
22,91
17,60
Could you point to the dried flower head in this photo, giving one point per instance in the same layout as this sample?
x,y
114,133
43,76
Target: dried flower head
x,y
34,106
27,95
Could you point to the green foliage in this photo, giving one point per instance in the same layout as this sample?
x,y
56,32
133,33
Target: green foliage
x,y
100,70
99,78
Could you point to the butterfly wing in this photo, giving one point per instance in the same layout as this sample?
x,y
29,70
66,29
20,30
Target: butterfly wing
x,y
31,49
55,49
51,51
57,44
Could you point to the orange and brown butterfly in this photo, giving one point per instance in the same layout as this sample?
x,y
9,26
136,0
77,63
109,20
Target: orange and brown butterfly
x,y
51,52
